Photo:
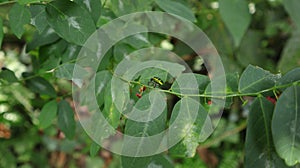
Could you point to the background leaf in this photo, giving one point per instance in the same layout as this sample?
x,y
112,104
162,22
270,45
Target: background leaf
x,y
94,148
47,36
286,125
47,114
176,8
70,21
24,2
120,7
289,58
1,32
236,17
250,50
66,120
18,17
8,75
292,7
50,56
259,147
41,86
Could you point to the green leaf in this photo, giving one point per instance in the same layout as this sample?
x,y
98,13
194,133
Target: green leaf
x,y
1,32
289,58
25,2
120,7
52,50
65,71
250,50
48,114
292,7
92,6
48,36
106,16
231,158
194,162
286,125
176,8
190,133
94,148
290,77
18,17
138,40
223,126
161,161
232,80
95,162
236,16
70,21
140,162
255,79
71,53
41,86
110,111
150,110
50,56
121,50
147,74
259,147
147,118
202,82
66,120
51,63
173,69
38,18
102,79
7,157
106,60
22,95
157,161
8,75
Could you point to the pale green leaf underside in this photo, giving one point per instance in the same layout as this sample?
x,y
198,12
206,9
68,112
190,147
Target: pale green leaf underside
x,y
286,125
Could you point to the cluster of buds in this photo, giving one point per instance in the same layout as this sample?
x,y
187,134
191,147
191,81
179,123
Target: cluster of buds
x,y
141,91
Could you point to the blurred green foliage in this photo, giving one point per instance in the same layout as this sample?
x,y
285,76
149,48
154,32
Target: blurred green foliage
x,y
39,42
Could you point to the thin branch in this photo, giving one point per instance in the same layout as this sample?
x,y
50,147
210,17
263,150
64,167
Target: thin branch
x,y
226,134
